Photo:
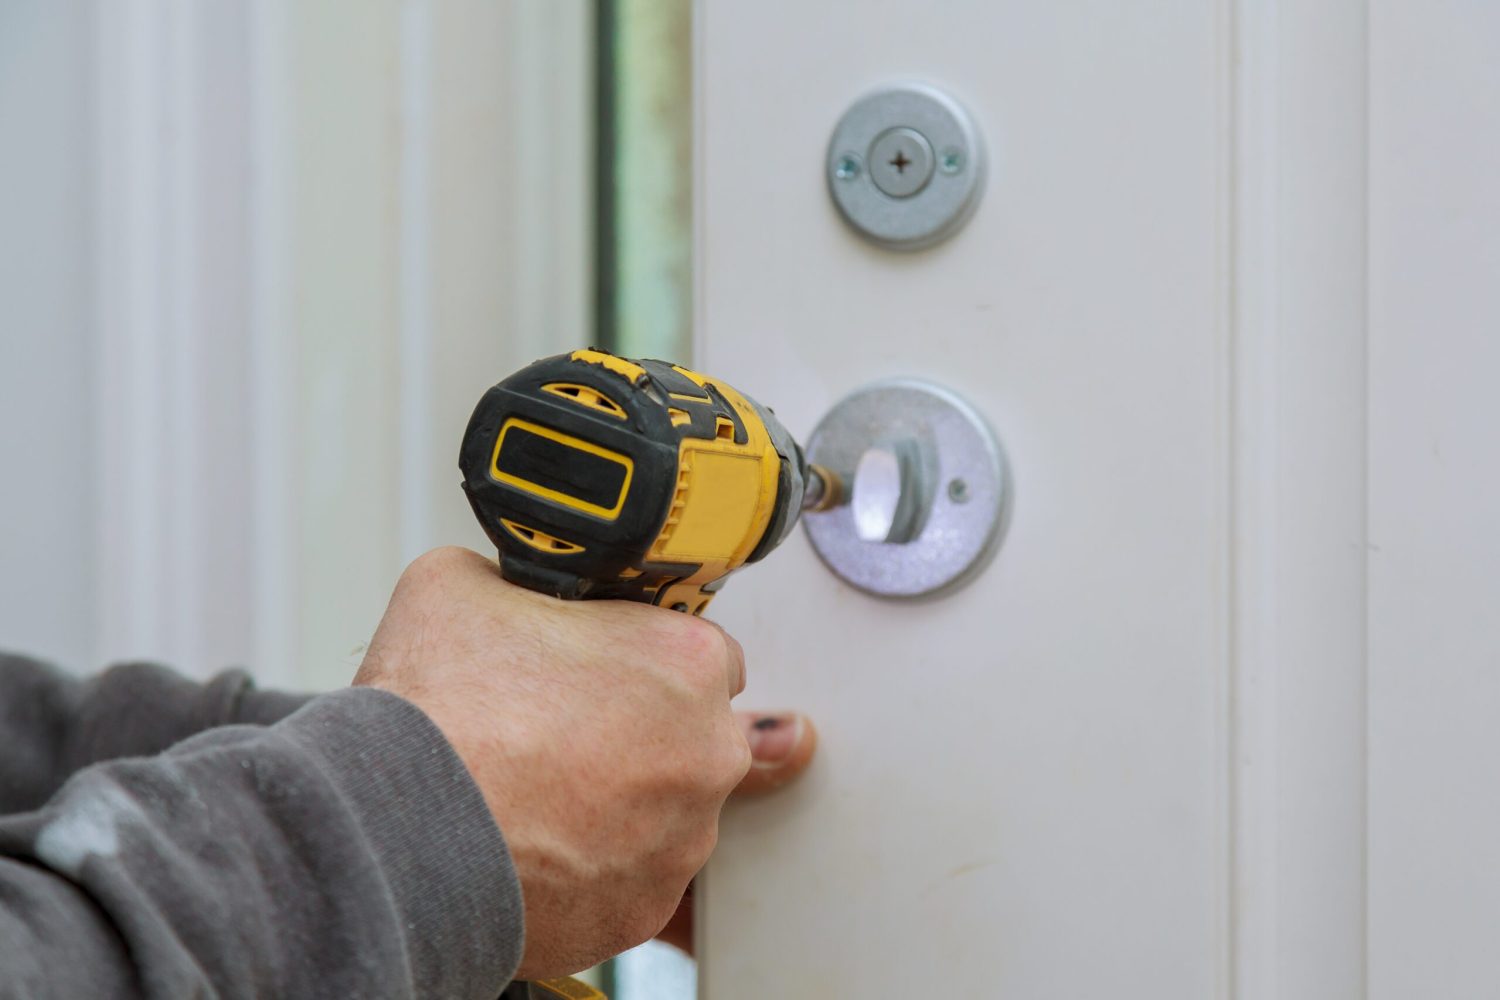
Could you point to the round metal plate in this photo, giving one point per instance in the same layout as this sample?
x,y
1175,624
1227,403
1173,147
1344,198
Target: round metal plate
x,y
906,195
965,484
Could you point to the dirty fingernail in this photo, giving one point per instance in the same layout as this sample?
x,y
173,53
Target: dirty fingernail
x,y
773,738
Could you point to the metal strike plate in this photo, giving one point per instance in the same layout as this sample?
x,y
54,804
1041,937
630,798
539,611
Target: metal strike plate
x,y
925,485
906,166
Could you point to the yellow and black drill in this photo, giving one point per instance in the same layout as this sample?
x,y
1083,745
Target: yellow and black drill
x,y
600,477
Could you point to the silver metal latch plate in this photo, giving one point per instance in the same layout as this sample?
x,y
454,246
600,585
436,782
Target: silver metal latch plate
x,y
926,489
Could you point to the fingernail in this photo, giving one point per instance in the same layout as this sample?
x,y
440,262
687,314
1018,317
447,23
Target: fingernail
x,y
774,737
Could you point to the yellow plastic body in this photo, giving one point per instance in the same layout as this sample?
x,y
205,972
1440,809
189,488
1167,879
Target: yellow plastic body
x,y
566,988
725,499
725,495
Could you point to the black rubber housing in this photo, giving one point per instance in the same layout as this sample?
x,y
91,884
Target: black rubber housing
x,y
612,563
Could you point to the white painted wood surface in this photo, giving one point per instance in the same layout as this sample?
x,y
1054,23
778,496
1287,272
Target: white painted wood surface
x,y
1024,789
1220,719
1434,852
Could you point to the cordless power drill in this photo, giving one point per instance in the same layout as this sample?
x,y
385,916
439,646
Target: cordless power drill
x,y
600,477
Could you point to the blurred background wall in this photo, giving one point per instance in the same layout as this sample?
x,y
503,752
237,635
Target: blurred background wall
x,y
48,593
259,260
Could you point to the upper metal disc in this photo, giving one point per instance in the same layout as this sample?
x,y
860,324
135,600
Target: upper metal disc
x,y
906,166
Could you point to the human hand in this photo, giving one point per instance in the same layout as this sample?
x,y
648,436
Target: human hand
x,y
782,744
599,732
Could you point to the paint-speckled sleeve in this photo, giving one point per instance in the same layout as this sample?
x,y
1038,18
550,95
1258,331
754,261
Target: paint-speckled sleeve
x,y
53,723
342,852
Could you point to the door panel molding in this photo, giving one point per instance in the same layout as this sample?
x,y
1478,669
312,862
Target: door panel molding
x,y
1299,544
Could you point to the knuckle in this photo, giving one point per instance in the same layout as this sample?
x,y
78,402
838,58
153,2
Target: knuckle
x,y
724,758
676,868
703,849
738,674
652,899
731,645
653,916
632,923
438,563
737,760
702,652
440,558
701,640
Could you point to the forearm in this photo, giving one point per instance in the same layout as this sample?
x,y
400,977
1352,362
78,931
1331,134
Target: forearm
x,y
52,724
342,852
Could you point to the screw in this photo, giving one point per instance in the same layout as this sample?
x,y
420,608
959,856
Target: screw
x,y
958,491
847,168
952,160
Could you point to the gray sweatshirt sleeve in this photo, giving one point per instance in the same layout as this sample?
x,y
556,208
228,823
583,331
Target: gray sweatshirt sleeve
x,y
342,852
52,723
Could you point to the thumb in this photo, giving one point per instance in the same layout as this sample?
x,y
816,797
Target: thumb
x,y
781,746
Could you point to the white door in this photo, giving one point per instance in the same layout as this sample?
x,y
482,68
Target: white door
x,y
1218,720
